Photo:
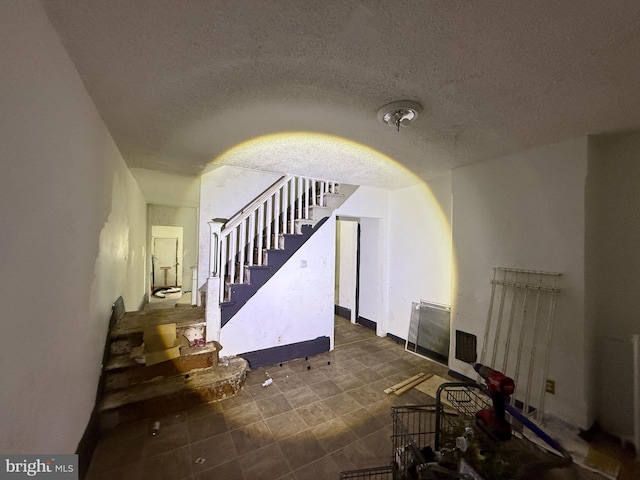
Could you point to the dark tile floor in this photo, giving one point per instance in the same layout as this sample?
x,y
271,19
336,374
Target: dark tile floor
x,y
319,416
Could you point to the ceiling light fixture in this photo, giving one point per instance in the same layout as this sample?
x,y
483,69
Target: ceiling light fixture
x,y
399,114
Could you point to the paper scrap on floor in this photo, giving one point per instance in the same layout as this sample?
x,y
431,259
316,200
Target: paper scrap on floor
x,y
603,463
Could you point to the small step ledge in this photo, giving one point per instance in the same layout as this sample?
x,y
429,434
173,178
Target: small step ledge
x,y
117,362
172,395
134,322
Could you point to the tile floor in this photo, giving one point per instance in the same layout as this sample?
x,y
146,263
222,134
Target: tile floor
x,y
319,416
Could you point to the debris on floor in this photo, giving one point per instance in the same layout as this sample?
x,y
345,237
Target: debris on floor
x,y
195,335
602,463
408,384
584,456
163,291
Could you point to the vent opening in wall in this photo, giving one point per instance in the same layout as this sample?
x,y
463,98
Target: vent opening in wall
x,y
466,347
429,329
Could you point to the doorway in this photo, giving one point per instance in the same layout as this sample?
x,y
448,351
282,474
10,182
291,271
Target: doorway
x,y
346,282
358,283
166,257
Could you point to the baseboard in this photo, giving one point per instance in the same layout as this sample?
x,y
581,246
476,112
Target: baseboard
x,y
117,310
87,444
365,322
285,353
395,338
91,434
342,312
430,354
460,377
145,300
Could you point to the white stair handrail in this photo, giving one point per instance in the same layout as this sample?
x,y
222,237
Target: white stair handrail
x,y
251,207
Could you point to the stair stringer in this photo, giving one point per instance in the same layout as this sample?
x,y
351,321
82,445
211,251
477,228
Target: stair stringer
x,y
294,305
259,275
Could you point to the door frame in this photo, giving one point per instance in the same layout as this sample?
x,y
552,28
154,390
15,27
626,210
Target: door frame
x,y
167,231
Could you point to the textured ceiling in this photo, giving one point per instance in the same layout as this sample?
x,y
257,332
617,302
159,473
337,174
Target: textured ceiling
x,y
179,83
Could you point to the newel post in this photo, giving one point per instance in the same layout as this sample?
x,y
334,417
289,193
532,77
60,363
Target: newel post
x,y
212,307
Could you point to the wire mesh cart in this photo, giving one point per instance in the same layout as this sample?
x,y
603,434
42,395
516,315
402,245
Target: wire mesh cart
x,y
375,473
444,441
412,426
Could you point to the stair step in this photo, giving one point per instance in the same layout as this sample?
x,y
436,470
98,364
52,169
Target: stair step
x,y
122,371
127,333
304,221
241,290
124,344
133,323
290,241
318,213
333,200
276,258
124,361
153,399
257,273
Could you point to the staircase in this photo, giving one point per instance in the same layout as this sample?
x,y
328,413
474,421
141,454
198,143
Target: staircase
x,y
133,391
249,248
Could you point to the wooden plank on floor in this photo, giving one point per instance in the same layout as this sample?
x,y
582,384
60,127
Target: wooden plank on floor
x,y
415,383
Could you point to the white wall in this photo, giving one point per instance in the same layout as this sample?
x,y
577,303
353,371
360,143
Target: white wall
x,y
527,211
224,191
419,255
184,217
371,285
412,251
612,271
73,238
295,305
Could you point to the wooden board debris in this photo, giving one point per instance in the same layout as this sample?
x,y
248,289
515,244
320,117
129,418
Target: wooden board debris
x,y
415,383
403,383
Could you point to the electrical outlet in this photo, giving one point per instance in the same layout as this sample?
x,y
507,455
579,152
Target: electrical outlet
x,y
550,386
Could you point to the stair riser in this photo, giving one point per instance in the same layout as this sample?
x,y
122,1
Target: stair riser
x,y
115,380
160,406
277,258
318,213
124,344
257,274
304,223
333,200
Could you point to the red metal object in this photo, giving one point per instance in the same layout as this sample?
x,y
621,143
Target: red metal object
x,y
500,387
